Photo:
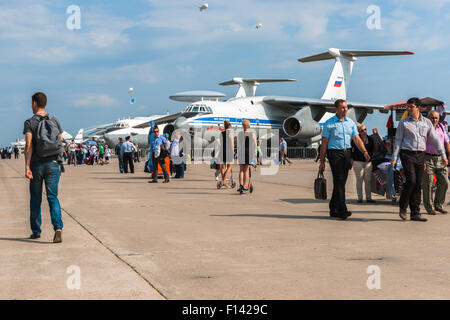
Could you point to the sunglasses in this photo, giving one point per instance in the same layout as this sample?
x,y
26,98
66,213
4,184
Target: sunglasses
x,y
362,130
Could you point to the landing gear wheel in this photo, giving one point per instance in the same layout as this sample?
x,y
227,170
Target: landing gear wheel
x,y
251,188
219,184
233,185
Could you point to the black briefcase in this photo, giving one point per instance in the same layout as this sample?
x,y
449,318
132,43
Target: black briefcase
x,y
320,187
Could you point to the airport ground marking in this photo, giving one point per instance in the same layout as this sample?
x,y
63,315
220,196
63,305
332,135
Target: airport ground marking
x,y
101,242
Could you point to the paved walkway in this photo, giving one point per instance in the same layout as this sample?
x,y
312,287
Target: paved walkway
x,y
191,241
39,269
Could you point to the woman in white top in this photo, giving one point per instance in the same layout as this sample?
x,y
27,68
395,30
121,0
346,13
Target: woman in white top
x,y
107,154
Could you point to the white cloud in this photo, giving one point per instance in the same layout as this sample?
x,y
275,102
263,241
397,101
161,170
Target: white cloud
x,y
185,68
145,72
96,100
59,54
38,33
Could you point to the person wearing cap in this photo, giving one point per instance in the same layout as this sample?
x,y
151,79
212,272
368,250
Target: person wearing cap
x,y
117,150
127,150
411,138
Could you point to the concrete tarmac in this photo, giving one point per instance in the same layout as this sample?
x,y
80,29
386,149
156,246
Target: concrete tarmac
x,y
188,240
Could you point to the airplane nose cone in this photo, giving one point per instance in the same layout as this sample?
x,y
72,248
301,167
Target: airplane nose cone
x,y
109,138
181,123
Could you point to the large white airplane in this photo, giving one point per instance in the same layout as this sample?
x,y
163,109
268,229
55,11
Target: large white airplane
x,y
125,128
299,118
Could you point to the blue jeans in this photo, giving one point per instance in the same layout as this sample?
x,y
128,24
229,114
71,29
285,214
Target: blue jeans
x,y
49,172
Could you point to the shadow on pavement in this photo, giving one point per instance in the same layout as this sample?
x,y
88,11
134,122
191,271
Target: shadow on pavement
x,y
348,201
25,240
308,200
284,216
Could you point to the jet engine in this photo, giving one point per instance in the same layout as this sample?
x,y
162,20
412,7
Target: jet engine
x,y
169,128
301,125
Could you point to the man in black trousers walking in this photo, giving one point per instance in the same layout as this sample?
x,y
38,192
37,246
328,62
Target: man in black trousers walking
x,y
411,142
338,132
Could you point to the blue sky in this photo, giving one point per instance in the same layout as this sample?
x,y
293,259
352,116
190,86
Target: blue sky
x,y
163,47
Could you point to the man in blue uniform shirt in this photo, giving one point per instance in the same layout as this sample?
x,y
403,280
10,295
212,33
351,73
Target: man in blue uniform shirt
x,y
338,132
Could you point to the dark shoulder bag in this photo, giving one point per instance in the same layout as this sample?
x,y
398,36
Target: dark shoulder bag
x,y
320,187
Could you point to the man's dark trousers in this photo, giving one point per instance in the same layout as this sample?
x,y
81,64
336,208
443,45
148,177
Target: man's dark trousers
x,y
161,162
340,164
413,165
128,159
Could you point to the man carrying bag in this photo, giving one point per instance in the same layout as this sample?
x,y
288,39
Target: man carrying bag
x,y
320,187
337,134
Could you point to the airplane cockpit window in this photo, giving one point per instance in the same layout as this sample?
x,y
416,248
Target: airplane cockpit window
x,y
198,108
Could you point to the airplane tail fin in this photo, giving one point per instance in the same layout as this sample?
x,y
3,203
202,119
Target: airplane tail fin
x,y
340,76
247,87
79,135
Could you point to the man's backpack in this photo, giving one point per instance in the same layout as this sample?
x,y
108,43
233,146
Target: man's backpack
x,y
48,137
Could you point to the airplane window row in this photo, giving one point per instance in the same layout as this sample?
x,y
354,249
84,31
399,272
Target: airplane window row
x,y
198,108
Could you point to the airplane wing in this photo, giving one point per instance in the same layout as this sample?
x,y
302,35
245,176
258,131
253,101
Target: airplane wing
x,y
162,120
357,110
101,129
328,105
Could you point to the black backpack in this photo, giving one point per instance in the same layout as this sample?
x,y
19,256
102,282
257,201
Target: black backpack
x,y
48,137
165,152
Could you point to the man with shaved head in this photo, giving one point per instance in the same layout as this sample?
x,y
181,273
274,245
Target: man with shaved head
x,y
435,166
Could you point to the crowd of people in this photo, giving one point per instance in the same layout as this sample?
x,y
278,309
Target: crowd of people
x,y
421,143
88,153
7,152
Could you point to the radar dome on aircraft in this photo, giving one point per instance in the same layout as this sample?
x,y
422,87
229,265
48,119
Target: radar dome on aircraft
x,y
259,25
203,7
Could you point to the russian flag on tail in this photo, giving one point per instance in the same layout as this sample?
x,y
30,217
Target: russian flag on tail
x,y
338,84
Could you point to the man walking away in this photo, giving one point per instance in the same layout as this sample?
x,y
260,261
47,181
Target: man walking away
x,y
337,134
118,151
16,152
43,153
410,141
127,150
159,151
283,152
434,165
